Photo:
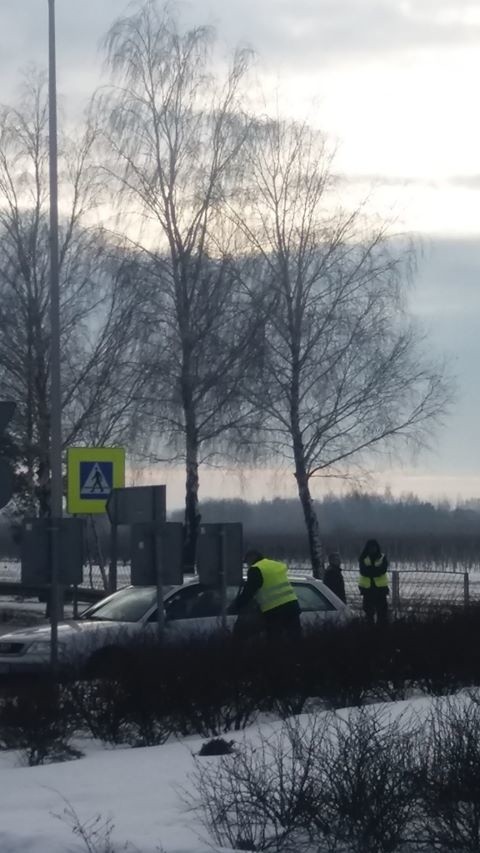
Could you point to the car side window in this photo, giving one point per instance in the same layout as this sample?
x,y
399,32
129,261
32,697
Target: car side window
x,y
311,599
194,602
232,592
206,603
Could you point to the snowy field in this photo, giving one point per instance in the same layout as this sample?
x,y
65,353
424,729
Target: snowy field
x,y
141,792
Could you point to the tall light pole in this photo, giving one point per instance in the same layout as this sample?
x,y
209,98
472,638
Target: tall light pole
x,y
56,495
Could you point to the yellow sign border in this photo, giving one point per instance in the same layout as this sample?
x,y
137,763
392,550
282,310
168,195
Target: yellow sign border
x,y
77,505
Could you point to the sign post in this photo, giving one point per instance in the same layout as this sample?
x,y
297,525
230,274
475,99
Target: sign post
x,y
159,552
7,410
159,502
223,576
113,571
56,496
143,505
220,559
132,505
92,475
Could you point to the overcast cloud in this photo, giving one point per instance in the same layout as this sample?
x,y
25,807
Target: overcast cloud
x,y
333,30
304,31
397,85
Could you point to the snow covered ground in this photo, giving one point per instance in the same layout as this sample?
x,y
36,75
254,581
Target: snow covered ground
x,y
141,791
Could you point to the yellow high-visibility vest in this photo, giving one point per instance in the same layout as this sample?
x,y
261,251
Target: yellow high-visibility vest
x,y
276,589
380,582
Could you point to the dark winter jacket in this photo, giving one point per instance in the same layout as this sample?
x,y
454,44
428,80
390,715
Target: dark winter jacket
x,y
249,589
333,578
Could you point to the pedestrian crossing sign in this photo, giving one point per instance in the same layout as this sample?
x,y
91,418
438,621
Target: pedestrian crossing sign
x,y
92,473
96,480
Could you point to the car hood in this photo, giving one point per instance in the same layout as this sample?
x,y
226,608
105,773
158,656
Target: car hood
x,y
66,630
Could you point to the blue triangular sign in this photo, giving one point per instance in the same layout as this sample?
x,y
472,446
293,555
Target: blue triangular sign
x,y
96,480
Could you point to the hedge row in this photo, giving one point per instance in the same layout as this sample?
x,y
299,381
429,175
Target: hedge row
x,y
212,685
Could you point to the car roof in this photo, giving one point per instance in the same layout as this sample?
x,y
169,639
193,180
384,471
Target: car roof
x,y
190,581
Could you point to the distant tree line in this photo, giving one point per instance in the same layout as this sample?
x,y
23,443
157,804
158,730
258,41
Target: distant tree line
x,y
409,529
220,301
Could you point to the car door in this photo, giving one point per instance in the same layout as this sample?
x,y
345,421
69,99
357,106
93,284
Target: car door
x,y
193,609
314,605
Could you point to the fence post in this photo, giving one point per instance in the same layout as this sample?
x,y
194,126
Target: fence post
x,y
466,589
395,590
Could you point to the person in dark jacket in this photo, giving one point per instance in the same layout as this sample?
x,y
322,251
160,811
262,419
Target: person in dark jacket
x,y
268,585
333,577
373,583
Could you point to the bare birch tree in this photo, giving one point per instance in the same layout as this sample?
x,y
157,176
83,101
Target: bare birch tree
x,y
343,372
97,299
173,141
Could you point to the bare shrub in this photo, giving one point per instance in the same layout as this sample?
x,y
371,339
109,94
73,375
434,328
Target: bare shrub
x,y
212,685
122,711
264,797
100,709
339,664
320,784
371,782
146,710
38,722
450,777
95,833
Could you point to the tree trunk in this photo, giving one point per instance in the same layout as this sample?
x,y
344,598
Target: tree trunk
x,y
192,515
301,475
311,523
29,439
43,465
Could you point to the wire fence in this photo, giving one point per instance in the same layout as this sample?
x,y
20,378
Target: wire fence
x,y
417,588
412,588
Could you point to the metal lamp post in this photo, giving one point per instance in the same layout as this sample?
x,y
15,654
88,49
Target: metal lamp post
x,y
56,495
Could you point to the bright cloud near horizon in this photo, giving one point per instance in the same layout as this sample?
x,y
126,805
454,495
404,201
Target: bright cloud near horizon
x,y
394,84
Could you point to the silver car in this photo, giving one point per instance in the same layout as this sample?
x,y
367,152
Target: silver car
x,y
130,615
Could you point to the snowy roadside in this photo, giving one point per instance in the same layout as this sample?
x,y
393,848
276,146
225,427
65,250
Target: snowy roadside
x,y
139,790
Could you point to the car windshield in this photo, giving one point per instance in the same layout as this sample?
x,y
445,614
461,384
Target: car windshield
x,y
127,605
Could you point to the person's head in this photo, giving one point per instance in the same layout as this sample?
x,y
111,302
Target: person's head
x,y
372,549
252,556
334,559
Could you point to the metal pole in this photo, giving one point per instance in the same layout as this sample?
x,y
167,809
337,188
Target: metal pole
x,y
158,550
113,569
56,496
223,576
159,515
395,590
113,514
466,589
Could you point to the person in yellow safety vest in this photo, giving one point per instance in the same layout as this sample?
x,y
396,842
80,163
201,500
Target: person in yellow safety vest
x,y
373,583
268,585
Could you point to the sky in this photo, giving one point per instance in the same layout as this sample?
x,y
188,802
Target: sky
x,y
394,85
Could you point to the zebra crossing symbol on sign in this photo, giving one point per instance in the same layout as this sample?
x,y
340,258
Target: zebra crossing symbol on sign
x,y
96,480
